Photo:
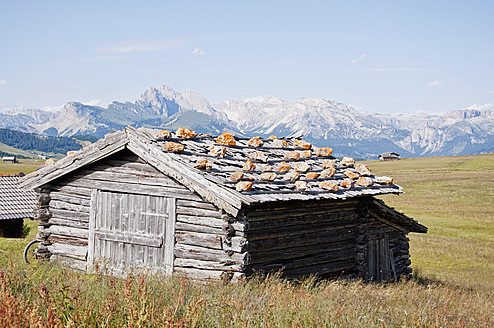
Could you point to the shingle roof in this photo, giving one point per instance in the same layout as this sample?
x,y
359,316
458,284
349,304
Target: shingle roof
x,y
15,203
281,188
213,182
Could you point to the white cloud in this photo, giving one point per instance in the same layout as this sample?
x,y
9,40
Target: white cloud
x,y
392,69
52,108
94,102
2,82
198,52
358,60
491,92
433,84
143,46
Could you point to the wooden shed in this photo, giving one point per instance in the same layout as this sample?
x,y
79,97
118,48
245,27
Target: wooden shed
x,y
221,207
389,156
15,206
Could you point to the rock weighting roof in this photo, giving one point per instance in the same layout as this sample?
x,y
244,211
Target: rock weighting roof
x,y
232,172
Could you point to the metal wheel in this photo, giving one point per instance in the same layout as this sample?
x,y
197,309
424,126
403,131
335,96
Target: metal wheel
x,y
29,253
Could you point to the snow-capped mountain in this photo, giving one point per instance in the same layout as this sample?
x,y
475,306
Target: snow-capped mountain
x,y
323,122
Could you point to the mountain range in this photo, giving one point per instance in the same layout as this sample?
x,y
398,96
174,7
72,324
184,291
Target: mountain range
x,y
321,121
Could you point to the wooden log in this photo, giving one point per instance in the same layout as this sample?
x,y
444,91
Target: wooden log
x,y
199,212
297,252
334,269
180,226
70,215
301,220
207,254
282,206
70,198
268,215
196,204
204,221
76,252
320,238
206,265
64,187
61,205
68,223
58,239
326,257
236,244
65,231
300,230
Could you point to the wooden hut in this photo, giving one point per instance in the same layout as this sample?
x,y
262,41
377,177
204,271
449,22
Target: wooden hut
x,y
15,206
221,207
9,159
389,156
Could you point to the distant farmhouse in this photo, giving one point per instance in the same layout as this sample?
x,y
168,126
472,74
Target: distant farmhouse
x,y
9,159
218,207
15,205
389,156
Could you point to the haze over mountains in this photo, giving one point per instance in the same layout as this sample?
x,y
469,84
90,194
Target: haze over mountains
x,y
321,121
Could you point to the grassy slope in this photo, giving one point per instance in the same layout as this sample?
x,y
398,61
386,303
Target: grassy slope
x,y
454,197
450,195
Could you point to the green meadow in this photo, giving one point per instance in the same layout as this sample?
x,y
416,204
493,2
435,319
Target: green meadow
x,y
453,283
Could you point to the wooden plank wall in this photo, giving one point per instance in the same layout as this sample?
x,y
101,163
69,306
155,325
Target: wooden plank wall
x,y
208,242
398,245
303,238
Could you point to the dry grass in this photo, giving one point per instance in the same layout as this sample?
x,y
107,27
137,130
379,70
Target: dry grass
x,y
452,285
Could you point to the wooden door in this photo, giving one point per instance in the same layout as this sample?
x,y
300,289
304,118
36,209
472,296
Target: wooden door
x,y
129,232
380,265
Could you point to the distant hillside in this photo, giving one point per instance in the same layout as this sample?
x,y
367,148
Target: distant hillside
x,y
24,145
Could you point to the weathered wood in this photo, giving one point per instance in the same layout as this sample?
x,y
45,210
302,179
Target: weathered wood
x,y
170,226
70,198
72,190
111,144
198,212
206,265
302,220
65,231
68,223
301,251
61,205
208,254
203,221
130,238
77,252
91,228
133,188
335,269
70,215
59,239
320,238
300,230
238,244
180,226
126,178
299,212
196,204
320,258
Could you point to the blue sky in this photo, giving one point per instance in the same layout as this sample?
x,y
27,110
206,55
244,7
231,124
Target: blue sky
x,y
383,56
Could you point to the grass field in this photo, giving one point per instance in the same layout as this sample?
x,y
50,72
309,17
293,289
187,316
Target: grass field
x,y
24,165
454,197
453,285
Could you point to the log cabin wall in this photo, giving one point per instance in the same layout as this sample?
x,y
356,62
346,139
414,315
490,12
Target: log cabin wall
x,y
207,241
392,244
304,238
